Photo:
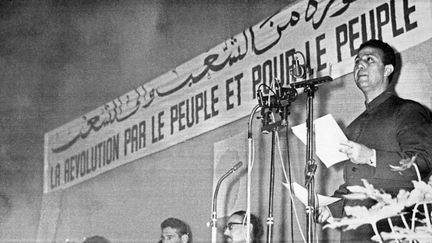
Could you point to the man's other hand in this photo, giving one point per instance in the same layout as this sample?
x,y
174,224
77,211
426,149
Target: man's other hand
x,y
357,153
324,214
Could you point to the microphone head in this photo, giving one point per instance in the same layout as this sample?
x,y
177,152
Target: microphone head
x,y
298,69
238,165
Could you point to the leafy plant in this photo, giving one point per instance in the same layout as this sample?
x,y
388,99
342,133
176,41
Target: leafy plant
x,y
387,206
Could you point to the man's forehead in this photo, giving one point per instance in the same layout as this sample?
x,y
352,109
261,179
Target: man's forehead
x,y
169,231
373,51
235,218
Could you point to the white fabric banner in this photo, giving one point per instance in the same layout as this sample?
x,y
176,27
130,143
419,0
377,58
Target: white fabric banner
x,y
219,86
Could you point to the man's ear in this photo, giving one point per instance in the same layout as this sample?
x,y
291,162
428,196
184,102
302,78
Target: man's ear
x,y
388,69
184,238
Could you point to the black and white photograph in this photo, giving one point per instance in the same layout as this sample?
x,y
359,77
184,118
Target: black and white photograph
x,y
215,121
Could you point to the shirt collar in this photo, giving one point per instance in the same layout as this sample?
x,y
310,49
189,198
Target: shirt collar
x,y
378,100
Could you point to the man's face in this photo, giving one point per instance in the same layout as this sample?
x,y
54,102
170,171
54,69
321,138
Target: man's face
x,y
369,70
235,230
170,235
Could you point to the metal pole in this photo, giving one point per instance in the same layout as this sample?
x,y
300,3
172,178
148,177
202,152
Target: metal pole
x,y
310,163
270,219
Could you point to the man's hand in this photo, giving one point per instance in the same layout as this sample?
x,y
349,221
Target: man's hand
x,y
324,214
357,153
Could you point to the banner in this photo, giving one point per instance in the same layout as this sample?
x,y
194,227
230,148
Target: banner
x,y
219,86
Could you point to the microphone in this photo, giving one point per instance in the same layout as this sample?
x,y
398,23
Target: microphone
x,y
234,168
298,71
229,172
314,81
213,222
278,100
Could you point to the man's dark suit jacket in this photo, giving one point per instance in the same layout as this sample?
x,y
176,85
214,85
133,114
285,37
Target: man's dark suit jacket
x,y
396,128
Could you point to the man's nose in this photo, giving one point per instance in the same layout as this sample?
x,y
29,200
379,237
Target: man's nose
x,y
360,65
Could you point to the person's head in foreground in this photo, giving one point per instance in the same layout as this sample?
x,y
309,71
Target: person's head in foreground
x,y
175,231
236,229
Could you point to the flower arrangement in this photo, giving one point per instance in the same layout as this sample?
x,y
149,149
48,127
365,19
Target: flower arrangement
x,y
386,207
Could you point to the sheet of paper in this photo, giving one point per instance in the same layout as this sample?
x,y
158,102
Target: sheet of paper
x,y
302,195
328,136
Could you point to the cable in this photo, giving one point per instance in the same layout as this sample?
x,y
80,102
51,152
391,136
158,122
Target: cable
x,y
249,171
290,177
289,185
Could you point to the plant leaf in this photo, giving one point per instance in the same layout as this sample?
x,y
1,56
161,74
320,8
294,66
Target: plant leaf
x,y
404,164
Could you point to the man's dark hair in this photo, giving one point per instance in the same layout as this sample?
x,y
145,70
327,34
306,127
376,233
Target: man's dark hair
x,y
181,227
96,239
257,229
389,56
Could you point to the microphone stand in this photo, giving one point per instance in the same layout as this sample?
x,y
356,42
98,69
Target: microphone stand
x,y
213,222
270,219
301,72
280,103
311,164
